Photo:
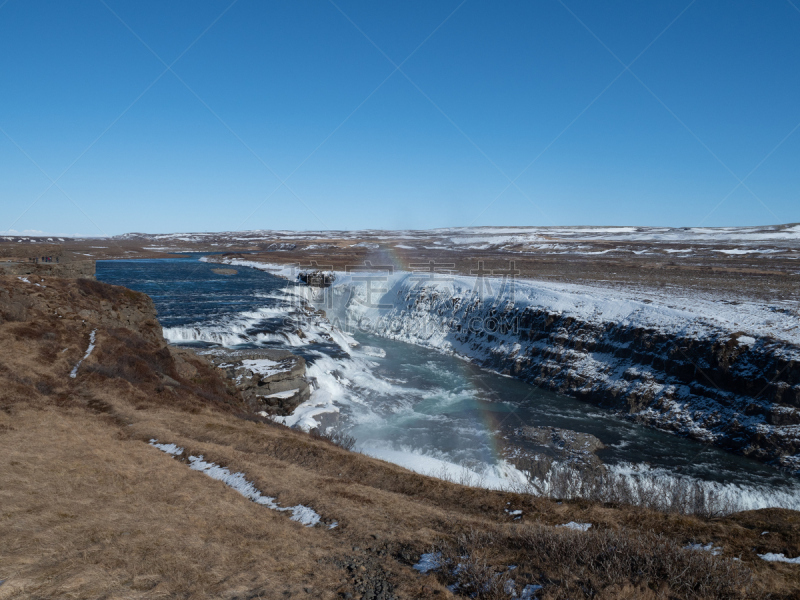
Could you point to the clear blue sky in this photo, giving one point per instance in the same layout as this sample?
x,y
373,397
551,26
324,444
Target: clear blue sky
x,y
512,113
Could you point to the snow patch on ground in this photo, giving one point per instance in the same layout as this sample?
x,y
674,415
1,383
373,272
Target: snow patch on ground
x,y
92,339
576,526
171,449
773,557
264,366
284,395
715,550
429,562
746,340
238,482
26,280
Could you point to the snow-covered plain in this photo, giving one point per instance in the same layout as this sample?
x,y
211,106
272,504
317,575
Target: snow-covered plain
x,y
704,243
501,235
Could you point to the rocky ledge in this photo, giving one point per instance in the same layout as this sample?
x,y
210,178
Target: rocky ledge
x,y
271,381
535,449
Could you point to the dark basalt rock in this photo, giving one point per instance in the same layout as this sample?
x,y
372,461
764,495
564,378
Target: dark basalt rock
x,y
320,279
740,393
723,383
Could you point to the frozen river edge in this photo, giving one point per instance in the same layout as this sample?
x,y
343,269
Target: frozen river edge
x,y
725,374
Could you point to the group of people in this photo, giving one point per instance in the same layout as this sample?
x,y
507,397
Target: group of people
x,y
44,259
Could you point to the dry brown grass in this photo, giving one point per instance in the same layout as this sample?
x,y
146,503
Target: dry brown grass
x,y
88,509
87,515
584,564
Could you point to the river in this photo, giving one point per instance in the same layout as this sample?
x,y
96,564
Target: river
x,y
415,406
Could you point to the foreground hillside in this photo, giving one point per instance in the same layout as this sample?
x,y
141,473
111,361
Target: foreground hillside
x,y
121,481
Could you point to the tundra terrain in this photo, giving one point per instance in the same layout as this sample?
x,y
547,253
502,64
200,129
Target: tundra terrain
x,y
106,491
735,262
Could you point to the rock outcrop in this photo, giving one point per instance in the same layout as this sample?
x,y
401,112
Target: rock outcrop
x,y
535,449
741,395
65,341
270,380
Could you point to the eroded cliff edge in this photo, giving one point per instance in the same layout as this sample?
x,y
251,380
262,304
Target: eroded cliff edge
x,y
64,340
692,372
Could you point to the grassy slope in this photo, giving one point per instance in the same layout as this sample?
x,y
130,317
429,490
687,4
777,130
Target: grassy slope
x,y
88,509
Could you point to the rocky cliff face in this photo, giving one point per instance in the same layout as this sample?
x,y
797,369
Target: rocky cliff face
x,y
271,381
67,342
47,301
742,395
665,368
